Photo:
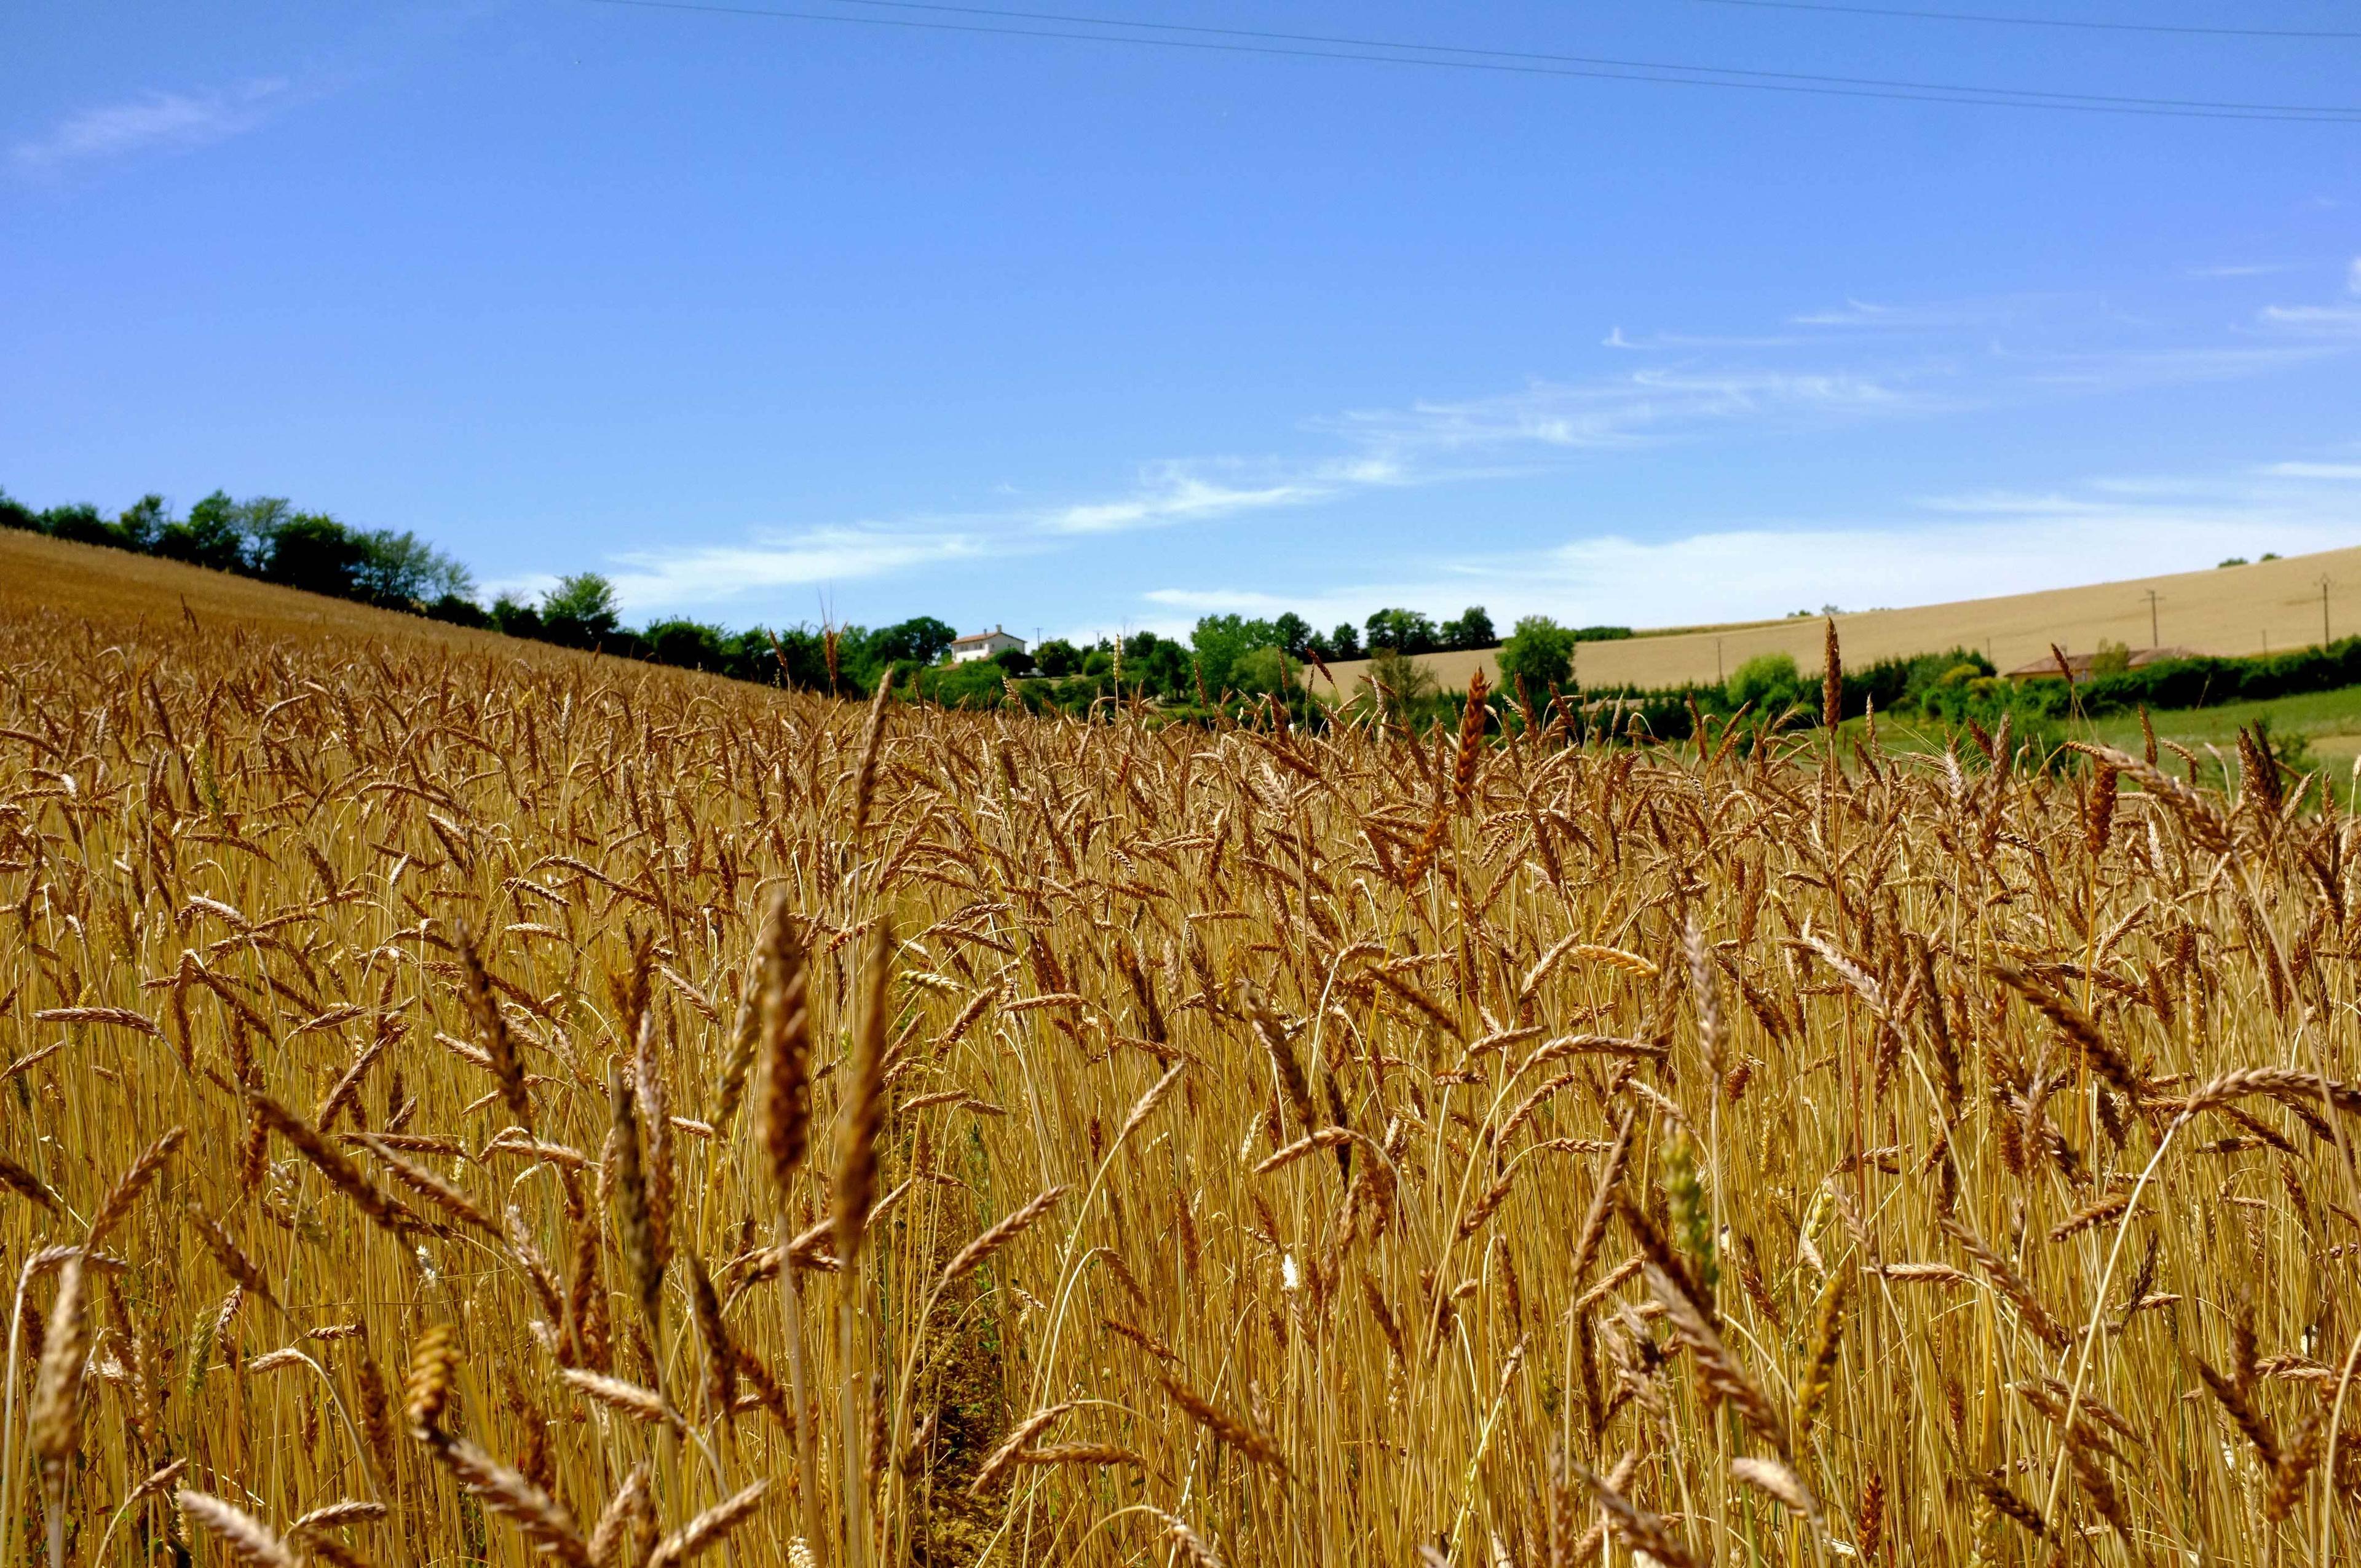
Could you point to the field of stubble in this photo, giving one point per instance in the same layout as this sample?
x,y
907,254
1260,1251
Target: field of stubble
x,y
468,1108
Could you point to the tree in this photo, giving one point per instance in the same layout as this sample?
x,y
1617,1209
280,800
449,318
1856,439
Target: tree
x,y
1396,685
78,522
1014,660
401,569
142,523
690,644
512,617
1059,657
1540,651
921,640
580,609
1157,665
14,514
314,551
1344,643
211,535
1293,633
1403,630
459,611
1264,669
259,519
1472,628
1221,640
1770,680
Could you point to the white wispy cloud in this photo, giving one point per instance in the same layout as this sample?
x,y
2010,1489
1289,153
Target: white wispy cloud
x,y
1688,342
2331,320
1642,407
153,122
1992,542
2244,270
717,573
1177,491
1781,383
1925,317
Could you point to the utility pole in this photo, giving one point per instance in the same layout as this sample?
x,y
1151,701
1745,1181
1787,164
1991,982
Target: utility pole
x,y
2324,609
2155,640
1720,676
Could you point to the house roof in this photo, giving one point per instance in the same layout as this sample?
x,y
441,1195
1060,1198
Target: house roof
x,y
985,637
2046,667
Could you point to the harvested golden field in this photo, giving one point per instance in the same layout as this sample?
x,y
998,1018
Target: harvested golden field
x,y
2234,610
119,589
464,1107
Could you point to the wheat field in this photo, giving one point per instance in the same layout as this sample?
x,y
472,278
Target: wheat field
x,y
473,1103
2262,608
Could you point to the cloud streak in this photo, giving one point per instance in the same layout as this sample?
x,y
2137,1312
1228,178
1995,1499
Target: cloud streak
x,y
1927,361
1172,492
1619,412
155,122
1995,543
711,575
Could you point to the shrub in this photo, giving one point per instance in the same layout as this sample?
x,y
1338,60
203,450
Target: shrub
x,y
1541,653
1767,680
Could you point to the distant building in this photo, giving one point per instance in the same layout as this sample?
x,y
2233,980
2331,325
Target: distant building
x,y
984,645
2046,667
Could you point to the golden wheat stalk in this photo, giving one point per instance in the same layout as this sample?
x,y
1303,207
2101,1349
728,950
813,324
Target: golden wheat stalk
x,y
244,1537
708,1530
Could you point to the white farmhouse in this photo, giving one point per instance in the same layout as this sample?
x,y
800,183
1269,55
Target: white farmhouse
x,y
984,645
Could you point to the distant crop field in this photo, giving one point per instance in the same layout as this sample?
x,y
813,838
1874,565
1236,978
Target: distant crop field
x,y
2266,606
459,1106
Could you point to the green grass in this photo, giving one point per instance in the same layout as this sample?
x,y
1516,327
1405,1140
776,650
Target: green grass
x,y
2319,717
2314,732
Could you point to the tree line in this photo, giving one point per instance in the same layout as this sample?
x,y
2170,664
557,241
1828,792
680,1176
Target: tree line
x,y
1228,664
1229,661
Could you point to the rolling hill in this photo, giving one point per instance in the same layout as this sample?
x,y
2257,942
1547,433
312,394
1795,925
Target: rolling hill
x,y
2228,610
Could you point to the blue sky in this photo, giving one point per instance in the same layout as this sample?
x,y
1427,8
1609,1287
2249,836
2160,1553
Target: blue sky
x,y
769,318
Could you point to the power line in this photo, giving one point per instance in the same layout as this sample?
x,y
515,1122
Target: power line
x,y
1518,63
2036,21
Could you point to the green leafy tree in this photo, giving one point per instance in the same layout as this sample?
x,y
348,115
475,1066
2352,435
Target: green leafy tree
x,y
211,535
1292,633
78,522
1472,628
1263,670
1540,651
921,640
1221,640
1156,666
1403,630
459,611
512,617
259,519
581,609
15,514
1397,686
1767,680
142,523
689,644
1059,657
1014,660
977,684
1344,643
314,551
400,569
